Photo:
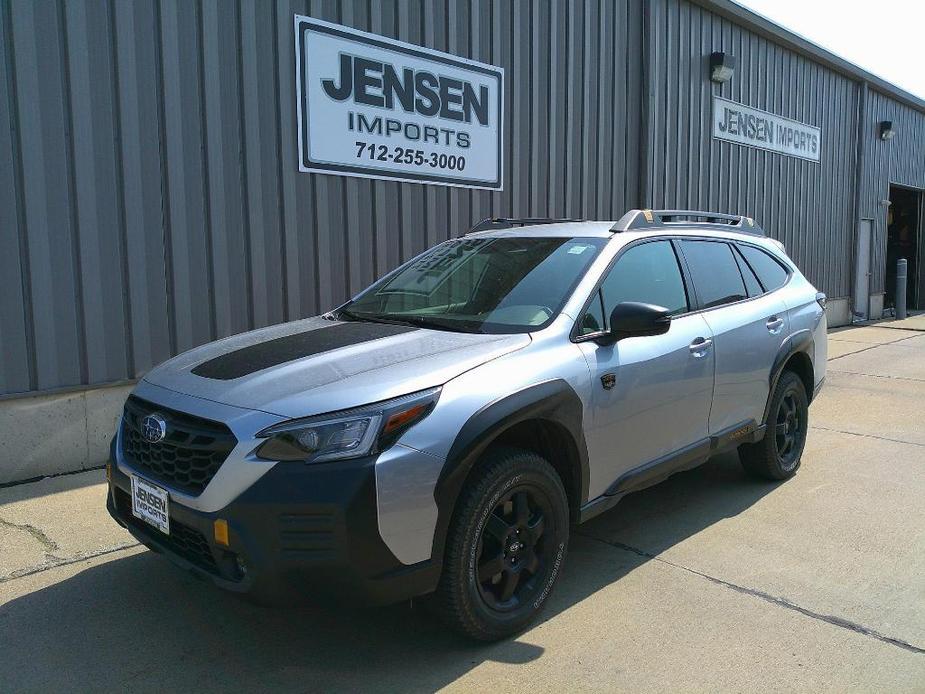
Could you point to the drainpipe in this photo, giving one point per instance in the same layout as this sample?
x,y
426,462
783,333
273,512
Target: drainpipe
x,y
859,190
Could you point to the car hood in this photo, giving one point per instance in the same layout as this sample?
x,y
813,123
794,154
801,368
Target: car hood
x,y
317,365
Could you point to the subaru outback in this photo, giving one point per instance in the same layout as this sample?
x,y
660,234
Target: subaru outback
x,y
439,433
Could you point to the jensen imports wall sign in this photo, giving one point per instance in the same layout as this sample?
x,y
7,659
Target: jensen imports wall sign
x,y
374,107
745,125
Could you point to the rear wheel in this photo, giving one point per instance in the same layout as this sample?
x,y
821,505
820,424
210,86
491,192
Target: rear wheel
x,y
505,546
777,455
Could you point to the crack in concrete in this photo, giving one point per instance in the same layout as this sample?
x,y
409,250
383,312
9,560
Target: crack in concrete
x,y
893,378
866,436
899,327
767,597
69,473
37,533
58,561
867,349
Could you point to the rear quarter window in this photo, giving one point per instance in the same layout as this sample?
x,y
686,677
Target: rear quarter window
x,y
770,271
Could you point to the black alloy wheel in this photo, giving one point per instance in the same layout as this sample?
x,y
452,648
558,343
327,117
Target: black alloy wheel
x,y
777,455
513,555
505,545
789,430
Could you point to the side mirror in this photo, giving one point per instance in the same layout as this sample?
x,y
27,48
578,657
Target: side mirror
x,y
634,319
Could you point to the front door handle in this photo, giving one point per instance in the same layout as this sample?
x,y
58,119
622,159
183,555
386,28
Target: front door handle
x,y
774,324
700,346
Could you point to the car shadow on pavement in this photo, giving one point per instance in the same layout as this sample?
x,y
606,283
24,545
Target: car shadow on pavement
x,y
138,623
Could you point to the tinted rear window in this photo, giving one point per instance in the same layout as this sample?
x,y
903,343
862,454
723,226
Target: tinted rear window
x,y
771,273
715,273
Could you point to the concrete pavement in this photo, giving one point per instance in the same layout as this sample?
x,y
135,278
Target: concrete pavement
x,y
710,581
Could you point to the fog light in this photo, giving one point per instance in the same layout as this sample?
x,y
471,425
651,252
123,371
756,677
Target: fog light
x,y
220,528
242,565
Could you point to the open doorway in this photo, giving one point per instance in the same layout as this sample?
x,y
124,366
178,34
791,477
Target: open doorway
x,y
902,241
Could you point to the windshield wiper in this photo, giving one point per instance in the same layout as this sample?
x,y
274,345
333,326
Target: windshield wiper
x,y
416,321
344,314
435,323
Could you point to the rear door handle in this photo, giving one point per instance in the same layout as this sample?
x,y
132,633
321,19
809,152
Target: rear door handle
x,y
700,346
774,324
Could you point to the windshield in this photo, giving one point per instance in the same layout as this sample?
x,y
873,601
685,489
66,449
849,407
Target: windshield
x,y
492,285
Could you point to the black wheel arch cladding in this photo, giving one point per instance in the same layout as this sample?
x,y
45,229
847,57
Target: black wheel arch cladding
x,y
798,342
553,401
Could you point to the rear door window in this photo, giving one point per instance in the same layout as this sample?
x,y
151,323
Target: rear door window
x,y
715,273
771,273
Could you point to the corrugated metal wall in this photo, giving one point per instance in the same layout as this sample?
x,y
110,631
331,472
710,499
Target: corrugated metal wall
x,y
807,205
150,194
900,161
150,199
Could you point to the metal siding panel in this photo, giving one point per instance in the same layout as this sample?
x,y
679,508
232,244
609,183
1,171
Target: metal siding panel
x,y
436,197
141,183
573,155
359,206
210,229
383,18
260,134
230,254
459,40
43,117
519,133
558,79
298,268
192,313
539,109
16,368
400,207
95,160
482,51
590,107
806,205
602,175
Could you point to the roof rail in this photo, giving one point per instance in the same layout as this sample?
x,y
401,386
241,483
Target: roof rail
x,y
510,222
635,220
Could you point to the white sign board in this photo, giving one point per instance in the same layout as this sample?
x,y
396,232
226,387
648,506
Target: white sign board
x,y
744,125
375,107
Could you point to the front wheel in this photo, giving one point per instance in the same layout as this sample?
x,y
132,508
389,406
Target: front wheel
x,y
505,546
777,455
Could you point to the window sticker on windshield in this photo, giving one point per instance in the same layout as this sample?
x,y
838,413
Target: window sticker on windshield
x,y
578,249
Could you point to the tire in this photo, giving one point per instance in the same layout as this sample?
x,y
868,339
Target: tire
x,y
777,455
512,516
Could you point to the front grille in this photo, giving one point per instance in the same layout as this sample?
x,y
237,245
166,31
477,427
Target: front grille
x,y
187,458
183,540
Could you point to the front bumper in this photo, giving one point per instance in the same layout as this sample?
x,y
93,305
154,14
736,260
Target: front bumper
x,y
300,532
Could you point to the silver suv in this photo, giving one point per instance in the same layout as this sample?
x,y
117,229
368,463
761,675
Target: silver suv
x,y
441,431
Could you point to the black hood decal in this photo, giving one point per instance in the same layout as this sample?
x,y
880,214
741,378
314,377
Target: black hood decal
x,y
248,360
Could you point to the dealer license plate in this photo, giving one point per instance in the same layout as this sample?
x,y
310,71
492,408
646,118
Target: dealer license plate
x,y
150,504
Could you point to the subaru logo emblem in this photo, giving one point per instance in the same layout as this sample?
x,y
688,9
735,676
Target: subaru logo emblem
x,y
153,428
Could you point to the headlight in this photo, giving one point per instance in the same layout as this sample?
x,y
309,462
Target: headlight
x,y
348,434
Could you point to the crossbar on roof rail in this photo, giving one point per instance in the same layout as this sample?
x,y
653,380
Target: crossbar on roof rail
x,y
637,220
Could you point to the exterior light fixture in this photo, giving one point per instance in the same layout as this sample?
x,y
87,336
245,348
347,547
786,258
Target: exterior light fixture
x,y
722,65
886,130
